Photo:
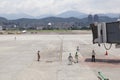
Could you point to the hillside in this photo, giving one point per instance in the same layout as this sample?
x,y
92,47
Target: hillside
x,y
56,22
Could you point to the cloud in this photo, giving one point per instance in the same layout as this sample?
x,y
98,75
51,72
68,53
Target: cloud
x,y
40,7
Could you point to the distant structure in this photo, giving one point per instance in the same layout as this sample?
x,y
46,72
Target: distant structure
x,y
118,18
1,28
90,19
49,25
15,26
96,18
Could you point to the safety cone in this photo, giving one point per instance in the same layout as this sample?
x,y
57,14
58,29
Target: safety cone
x,y
106,53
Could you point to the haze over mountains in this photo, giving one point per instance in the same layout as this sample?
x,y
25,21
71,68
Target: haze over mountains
x,y
66,14
65,20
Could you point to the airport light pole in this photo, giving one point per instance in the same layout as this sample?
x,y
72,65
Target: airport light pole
x,y
61,48
15,31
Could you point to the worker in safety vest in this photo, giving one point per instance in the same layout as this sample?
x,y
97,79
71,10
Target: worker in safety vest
x,y
70,59
76,57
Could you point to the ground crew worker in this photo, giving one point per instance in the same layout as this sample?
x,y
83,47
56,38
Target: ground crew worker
x,y
77,48
76,58
70,59
38,56
93,56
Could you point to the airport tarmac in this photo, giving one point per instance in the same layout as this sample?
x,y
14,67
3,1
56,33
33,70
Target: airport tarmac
x,y
18,58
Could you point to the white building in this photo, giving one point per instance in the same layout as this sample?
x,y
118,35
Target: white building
x,y
49,24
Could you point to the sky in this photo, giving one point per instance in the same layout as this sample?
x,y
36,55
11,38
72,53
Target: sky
x,y
41,7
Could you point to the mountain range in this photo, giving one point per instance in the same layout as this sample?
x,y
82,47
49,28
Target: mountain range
x,y
15,16
75,14
66,14
65,20
56,22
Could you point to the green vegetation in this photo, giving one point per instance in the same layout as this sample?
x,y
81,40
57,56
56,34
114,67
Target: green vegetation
x,y
85,28
44,32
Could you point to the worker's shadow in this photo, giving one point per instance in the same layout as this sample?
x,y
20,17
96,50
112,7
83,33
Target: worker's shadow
x,y
111,61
